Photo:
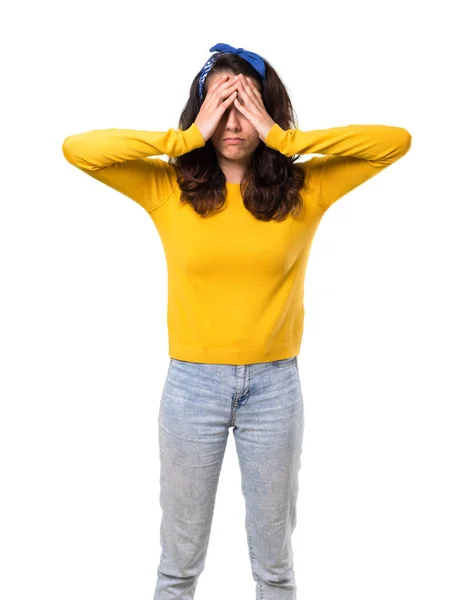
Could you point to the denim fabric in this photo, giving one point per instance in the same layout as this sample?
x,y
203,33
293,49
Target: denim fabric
x,y
263,403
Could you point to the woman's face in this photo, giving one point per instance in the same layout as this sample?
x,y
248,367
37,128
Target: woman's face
x,y
233,124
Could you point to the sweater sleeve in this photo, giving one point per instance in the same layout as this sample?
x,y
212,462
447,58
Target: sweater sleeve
x,y
353,154
118,158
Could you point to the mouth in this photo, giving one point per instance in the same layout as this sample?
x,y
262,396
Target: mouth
x,y
232,139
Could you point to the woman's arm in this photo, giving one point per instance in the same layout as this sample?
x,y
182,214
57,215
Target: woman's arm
x,y
118,158
354,154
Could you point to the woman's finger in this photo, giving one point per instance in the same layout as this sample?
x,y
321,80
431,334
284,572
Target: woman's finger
x,y
221,95
224,103
250,92
220,88
240,107
242,91
246,89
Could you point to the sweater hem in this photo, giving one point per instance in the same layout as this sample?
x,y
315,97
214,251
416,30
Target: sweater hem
x,y
259,354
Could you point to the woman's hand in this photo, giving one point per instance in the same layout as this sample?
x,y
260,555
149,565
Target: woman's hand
x,y
253,108
217,100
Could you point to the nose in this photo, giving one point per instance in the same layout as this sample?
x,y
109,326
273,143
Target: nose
x,y
233,117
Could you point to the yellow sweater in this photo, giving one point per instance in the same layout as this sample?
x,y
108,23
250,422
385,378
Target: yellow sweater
x,y
235,284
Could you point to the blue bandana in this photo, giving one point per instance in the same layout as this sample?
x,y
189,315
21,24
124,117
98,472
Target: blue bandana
x,y
255,60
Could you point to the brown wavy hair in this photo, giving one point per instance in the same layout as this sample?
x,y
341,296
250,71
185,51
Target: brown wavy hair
x,y
270,185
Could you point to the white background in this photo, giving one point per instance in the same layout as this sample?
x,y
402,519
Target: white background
x,y
84,350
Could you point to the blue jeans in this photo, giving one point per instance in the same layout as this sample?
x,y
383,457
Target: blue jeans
x,y
263,403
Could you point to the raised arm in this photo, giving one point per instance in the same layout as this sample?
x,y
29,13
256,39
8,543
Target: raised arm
x,y
353,154
118,158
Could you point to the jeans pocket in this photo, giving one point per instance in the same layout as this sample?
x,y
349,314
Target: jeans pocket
x,y
285,362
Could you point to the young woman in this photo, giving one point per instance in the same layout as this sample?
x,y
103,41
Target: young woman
x,y
236,217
